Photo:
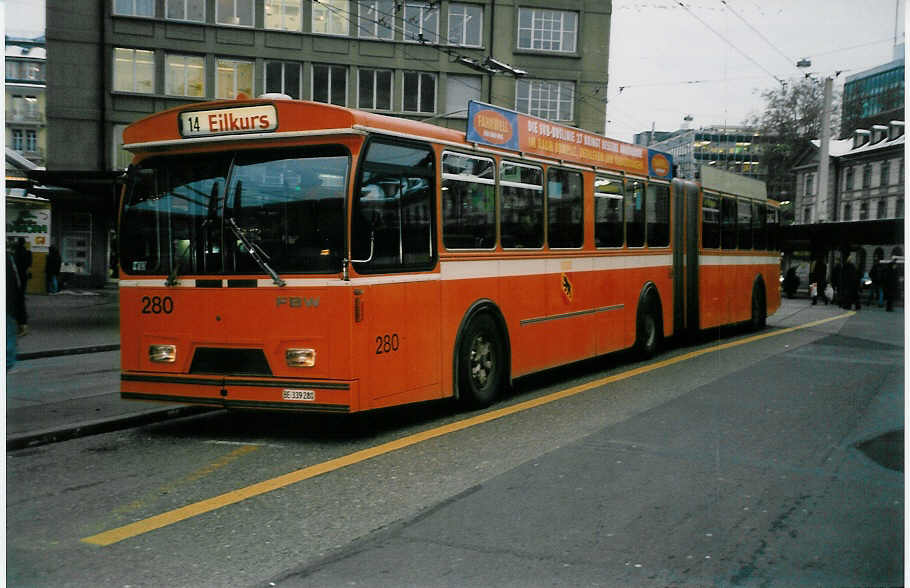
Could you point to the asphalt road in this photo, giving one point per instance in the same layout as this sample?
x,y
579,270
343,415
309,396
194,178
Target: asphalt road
x,y
708,465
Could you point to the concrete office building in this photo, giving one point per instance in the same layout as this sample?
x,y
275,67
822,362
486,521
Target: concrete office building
x,y
111,62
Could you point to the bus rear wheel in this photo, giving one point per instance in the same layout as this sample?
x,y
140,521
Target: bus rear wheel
x,y
647,330
481,362
759,309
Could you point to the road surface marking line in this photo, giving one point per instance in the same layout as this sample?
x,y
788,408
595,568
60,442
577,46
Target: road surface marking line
x,y
192,510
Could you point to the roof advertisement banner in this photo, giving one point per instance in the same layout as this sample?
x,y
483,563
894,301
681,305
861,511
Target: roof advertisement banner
x,y
497,127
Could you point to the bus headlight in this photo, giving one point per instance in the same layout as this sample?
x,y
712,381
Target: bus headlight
x,y
300,357
162,353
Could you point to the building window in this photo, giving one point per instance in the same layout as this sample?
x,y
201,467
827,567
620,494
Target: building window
x,y
134,7
31,141
547,30
465,24
864,210
848,212
330,17
899,208
375,19
283,15
867,176
807,215
419,92
234,12
18,144
233,77
330,84
848,179
184,75
421,23
545,99
134,70
460,90
283,77
374,89
809,178
882,209
883,179
192,10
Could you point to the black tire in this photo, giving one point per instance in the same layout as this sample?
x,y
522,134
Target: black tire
x,y
648,332
481,362
759,309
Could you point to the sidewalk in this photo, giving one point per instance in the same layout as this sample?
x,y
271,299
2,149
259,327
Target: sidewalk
x,y
67,381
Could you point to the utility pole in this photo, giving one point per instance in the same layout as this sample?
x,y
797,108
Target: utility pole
x,y
821,205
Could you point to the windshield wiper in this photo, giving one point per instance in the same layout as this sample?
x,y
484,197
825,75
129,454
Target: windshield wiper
x,y
255,252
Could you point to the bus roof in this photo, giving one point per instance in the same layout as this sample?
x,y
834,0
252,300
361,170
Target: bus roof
x,y
224,120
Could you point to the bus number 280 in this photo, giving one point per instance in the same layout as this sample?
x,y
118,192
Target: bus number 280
x,y
386,343
157,305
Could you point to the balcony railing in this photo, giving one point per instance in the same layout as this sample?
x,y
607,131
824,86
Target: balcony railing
x,y
14,116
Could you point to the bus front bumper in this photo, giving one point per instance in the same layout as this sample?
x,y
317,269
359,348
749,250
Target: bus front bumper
x,y
280,394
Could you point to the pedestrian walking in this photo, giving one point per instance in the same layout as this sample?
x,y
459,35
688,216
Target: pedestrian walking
x,y
850,285
52,270
876,289
23,261
15,306
891,283
835,281
820,278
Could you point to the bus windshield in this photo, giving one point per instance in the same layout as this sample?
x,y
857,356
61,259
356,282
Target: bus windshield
x,y
252,212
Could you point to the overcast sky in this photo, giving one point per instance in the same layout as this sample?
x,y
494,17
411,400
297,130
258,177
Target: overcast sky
x,y
712,59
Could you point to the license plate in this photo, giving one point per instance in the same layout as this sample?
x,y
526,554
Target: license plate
x,y
299,395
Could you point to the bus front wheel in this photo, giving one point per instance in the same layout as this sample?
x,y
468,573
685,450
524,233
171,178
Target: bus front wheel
x,y
481,361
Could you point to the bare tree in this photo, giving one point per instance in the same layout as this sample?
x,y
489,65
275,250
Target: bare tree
x,y
791,118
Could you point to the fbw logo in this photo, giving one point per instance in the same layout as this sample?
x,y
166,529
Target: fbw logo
x,y
298,301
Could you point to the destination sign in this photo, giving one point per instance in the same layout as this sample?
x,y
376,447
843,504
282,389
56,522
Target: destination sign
x,y
229,121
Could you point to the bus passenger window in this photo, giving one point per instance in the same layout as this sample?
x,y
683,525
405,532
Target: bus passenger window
x,y
759,227
710,222
635,213
565,190
658,215
773,227
728,222
521,222
744,223
608,194
392,216
468,204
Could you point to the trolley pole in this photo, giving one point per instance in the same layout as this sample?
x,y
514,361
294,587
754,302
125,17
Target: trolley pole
x,y
821,208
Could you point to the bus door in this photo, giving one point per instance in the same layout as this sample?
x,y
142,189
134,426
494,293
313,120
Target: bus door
x,y
396,286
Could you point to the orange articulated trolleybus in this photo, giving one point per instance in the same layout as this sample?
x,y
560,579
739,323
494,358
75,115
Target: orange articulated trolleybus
x,y
289,255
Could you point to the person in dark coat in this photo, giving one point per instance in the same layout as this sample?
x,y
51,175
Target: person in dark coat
x,y
15,306
23,258
835,281
877,289
791,282
850,285
52,270
820,277
891,284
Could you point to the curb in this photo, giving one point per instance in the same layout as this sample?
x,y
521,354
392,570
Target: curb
x,y
68,351
99,426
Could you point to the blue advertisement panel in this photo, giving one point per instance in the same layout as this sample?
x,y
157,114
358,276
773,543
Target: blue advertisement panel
x,y
492,126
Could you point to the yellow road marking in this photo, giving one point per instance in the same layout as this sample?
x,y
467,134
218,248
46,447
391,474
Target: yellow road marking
x,y
191,510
